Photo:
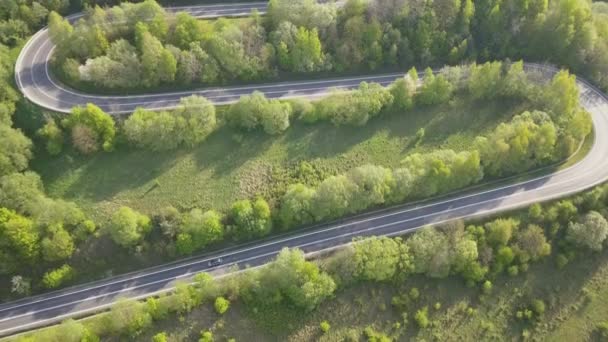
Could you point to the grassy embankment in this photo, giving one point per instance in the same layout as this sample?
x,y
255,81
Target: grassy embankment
x,y
233,165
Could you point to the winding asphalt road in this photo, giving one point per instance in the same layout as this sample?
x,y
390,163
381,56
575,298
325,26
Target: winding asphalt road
x,y
87,298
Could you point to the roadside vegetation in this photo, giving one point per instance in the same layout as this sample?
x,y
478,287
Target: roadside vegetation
x,y
529,274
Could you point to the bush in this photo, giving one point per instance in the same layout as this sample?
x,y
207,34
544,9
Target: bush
x,y
53,136
422,318
57,277
221,305
128,227
206,336
160,337
93,127
325,326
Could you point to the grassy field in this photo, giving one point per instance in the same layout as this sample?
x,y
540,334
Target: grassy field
x,y
233,165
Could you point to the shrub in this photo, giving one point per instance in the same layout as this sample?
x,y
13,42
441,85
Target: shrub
x,y
325,326
57,277
422,318
221,305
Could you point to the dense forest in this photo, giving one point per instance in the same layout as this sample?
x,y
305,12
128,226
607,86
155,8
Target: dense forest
x,y
135,46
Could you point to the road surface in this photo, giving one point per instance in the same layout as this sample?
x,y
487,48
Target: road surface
x,y
83,299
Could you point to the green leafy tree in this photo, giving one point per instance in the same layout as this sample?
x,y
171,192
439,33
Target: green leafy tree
x,y
333,198
434,90
57,277
157,131
16,150
373,186
485,81
421,318
251,219
160,337
500,231
381,259
196,119
128,227
100,124
221,305
531,244
18,240
53,135
253,111
202,229
58,245
590,232
527,141
296,206
292,277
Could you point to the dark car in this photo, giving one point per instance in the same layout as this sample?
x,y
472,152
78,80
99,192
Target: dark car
x,y
214,262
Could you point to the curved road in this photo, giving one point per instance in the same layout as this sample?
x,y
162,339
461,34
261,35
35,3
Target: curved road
x,y
80,300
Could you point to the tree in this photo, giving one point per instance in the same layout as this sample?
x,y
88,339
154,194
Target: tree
x,y
373,186
590,232
18,240
206,336
167,67
160,337
202,228
20,285
403,90
252,111
57,277
439,171
430,253
500,231
434,90
422,318
531,244
53,136
251,219
306,13
355,107
292,277
196,119
325,326
127,227
304,53
380,259
333,198
99,124
527,141
296,206
485,81
158,64
16,150
58,246
157,131
128,317
221,305
60,30
186,30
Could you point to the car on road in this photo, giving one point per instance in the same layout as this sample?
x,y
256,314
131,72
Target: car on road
x,y
214,262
